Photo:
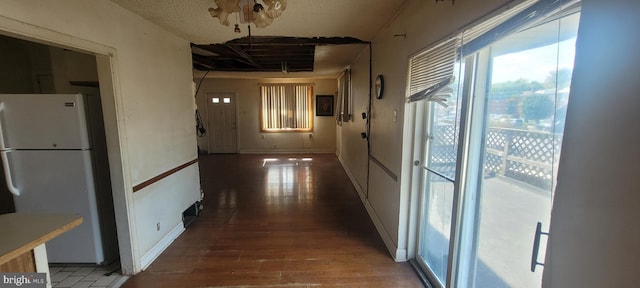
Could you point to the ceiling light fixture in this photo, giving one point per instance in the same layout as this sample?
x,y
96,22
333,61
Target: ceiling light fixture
x,y
250,11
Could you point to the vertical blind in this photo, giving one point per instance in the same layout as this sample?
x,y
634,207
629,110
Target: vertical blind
x,y
432,69
286,107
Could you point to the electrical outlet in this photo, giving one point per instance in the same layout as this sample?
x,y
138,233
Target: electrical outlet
x,y
158,226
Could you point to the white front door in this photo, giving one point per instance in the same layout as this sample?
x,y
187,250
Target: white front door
x,y
223,136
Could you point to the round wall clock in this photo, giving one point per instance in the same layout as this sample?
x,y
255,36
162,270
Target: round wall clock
x,y
379,86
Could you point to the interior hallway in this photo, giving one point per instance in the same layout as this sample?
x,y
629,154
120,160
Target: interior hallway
x,y
277,221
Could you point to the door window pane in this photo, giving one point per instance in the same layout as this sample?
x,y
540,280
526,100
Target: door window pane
x,y
444,127
436,225
523,120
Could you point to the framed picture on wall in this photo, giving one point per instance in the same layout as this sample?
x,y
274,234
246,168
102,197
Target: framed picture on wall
x,y
324,105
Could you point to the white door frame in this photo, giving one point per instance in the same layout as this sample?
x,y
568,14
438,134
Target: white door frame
x,y
111,98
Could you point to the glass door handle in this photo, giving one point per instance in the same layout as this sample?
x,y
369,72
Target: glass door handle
x,y
536,247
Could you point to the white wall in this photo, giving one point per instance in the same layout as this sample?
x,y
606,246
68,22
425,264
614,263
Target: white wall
x,y
352,151
250,139
595,236
423,23
150,113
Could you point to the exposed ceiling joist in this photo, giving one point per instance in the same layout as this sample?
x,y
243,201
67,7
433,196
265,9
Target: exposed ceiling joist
x,y
264,54
282,41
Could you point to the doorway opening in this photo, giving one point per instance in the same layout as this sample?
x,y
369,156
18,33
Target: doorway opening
x,y
34,68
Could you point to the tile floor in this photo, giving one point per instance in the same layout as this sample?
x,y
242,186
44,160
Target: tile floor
x,y
85,277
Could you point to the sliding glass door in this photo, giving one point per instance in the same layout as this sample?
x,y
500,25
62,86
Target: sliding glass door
x,y
490,158
523,121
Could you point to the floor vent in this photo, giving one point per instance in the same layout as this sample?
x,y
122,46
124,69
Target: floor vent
x,y
190,215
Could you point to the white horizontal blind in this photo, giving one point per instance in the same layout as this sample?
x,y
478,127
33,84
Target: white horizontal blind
x,y
479,29
286,107
505,22
432,69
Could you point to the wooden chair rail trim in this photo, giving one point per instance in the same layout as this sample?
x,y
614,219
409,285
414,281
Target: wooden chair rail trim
x,y
144,184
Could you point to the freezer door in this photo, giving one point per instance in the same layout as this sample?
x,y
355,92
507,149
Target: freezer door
x,y
43,121
60,182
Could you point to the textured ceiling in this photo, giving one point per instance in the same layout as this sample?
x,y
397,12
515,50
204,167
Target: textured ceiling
x,y
302,18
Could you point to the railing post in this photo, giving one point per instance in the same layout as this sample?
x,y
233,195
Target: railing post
x,y
505,151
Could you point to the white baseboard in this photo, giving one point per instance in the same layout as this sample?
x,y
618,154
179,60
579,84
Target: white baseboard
x,y
399,255
156,250
353,180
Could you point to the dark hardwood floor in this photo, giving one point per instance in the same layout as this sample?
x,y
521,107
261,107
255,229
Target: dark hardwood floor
x,y
282,223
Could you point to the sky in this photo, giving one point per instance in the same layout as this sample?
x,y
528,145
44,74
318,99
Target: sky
x,y
538,62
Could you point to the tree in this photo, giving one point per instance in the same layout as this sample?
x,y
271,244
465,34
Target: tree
x,y
513,106
561,76
505,90
537,107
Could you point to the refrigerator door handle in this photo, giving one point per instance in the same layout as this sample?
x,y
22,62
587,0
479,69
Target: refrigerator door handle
x,y
7,173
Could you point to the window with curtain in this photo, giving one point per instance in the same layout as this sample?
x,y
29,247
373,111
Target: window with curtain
x,y
286,107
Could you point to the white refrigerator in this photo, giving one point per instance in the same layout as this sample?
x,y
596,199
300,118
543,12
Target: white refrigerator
x,y
46,158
